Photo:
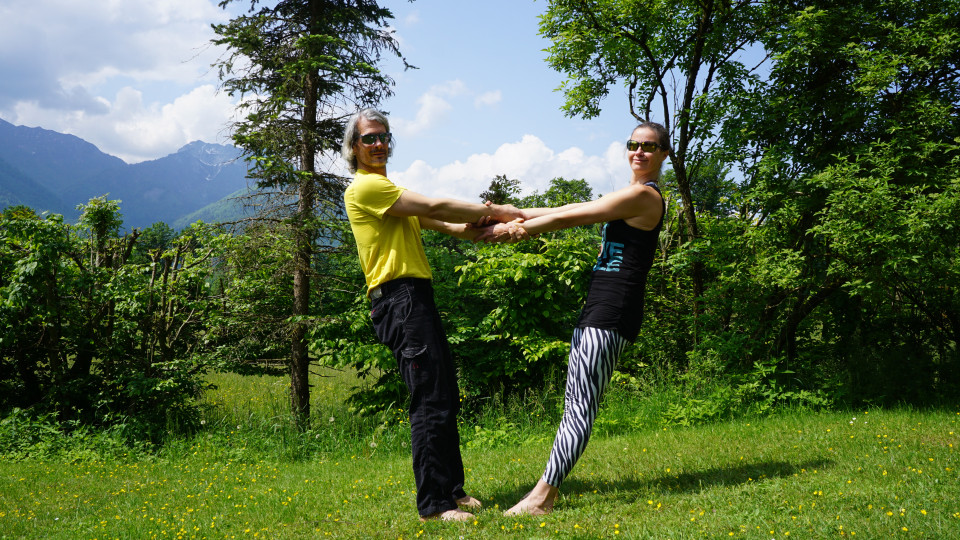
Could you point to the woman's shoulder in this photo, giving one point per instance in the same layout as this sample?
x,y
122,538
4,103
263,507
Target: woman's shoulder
x,y
649,206
648,192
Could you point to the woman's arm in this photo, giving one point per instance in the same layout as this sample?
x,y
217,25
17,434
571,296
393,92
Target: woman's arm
x,y
537,212
642,205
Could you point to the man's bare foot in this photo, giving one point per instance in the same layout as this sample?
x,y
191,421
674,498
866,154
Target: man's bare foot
x,y
468,502
537,503
450,515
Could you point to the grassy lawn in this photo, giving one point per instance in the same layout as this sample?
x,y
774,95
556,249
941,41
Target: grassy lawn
x,y
869,474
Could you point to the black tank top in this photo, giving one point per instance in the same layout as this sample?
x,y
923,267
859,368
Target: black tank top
x,y
615,298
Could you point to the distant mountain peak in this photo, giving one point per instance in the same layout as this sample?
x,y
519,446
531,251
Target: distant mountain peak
x,y
199,146
210,153
52,171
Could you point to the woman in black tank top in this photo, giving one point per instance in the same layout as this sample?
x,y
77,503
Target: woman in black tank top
x,y
613,309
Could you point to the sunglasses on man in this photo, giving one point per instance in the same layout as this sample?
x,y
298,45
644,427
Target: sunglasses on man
x,y
371,138
646,146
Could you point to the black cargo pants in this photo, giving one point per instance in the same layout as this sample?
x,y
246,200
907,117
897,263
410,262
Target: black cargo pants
x,y
406,320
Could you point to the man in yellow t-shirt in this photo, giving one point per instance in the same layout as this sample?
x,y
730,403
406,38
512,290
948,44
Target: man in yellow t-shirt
x,y
386,222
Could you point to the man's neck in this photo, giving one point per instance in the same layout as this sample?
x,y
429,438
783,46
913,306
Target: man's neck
x,y
374,170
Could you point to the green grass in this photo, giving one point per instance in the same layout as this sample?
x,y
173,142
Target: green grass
x,y
869,474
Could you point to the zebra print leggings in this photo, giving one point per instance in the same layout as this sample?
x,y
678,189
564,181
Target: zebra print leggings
x,y
593,356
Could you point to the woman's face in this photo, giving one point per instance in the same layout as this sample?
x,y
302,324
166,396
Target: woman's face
x,y
646,164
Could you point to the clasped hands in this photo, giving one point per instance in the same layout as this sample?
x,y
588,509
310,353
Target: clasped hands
x,y
501,229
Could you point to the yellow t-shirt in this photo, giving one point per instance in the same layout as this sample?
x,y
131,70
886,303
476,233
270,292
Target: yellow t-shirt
x,y
390,247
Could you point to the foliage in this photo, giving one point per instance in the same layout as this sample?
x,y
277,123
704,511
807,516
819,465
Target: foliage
x,y
25,437
845,267
249,332
502,190
92,337
529,297
707,394
560,192
521,303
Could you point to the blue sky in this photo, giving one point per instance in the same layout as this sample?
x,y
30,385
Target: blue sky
x,y
483,103
134,79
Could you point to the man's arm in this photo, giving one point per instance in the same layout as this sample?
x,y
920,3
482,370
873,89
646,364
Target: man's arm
x,y
457,230
465,231
450,210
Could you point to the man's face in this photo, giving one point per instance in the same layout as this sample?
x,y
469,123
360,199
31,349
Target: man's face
x,y
371,157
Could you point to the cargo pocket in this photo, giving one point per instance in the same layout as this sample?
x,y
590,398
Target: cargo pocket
x,y
414,366
388,316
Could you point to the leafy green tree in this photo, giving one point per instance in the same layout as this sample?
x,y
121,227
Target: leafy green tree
x,y
847,148
502,190
155,238
93,337
524,302
32,275
676,57
96,259
849,259
247,333
560,192
299,64
521,301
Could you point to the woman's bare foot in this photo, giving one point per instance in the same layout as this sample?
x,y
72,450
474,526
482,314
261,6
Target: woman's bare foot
x,y
537,503
468,502
450,515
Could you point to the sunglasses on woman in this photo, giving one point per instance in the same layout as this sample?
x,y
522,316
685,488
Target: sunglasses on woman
x,y
371,138
646,146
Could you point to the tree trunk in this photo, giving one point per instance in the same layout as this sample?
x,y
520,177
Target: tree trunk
x,y
299,354
303,233
693,232
786,341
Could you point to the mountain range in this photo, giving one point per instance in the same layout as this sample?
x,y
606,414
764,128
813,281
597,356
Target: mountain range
x,y
54,172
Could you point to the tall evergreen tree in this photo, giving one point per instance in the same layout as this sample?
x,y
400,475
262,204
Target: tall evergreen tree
x,y
300,67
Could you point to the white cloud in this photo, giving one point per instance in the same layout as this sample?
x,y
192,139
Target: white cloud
x,y
488,99
136,131
433,108
129,76
528,160
59,44
412,18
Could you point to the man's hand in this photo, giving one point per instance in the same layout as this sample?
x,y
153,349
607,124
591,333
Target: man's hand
x,y
500,213
503,232
485,221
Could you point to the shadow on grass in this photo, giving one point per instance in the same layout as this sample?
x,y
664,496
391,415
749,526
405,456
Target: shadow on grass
x,y
685,482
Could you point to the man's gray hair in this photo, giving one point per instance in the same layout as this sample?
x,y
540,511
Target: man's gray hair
x,y
350,135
